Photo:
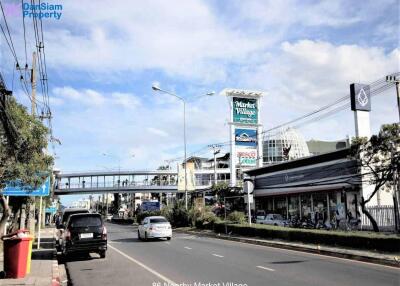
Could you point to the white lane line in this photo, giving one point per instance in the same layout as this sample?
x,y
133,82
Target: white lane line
x,y
159,275
186,247
217,255
265,268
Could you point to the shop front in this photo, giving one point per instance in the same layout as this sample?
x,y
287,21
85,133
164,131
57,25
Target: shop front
x,y
323,188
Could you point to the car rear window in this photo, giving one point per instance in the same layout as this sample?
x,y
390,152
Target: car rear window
x,y
68,214
85,221
156,220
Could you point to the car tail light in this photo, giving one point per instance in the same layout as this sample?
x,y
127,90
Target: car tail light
x,y
104,234
67,234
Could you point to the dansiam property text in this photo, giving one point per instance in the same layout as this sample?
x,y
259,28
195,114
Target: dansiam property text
x,y
43,10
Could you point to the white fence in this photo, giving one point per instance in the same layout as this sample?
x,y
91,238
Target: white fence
x,y
384,216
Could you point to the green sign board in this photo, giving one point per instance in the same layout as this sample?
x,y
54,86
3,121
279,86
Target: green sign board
x,y
245,110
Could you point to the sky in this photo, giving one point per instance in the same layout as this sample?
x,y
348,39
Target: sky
x,y
103,57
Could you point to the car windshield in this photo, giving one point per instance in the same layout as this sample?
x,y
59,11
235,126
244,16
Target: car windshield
x,y
85,221
158,220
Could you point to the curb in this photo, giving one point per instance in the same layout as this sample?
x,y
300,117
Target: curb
x,y
55,281
317,250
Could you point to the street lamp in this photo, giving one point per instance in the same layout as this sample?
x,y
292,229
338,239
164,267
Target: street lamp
x,y
157,88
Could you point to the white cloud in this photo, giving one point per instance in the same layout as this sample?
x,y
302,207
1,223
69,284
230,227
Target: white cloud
x,y
86,96
190,41
306,75
126,100
157,131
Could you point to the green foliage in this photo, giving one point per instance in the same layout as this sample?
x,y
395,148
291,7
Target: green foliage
x,y
140,216
179,216
360,240
380,158
176,215
222,190
237,217
202,217
26,160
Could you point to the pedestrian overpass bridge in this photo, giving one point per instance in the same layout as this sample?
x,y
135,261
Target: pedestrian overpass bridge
x,y
159,181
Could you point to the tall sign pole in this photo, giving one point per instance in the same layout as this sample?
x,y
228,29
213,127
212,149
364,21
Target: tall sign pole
x,y
245,136
245,130
360,99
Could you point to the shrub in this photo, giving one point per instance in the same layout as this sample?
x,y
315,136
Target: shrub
x,y
237,217
360,240
141,215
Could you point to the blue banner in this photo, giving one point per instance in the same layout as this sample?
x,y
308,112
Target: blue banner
x,y
246,137
18,189
150,206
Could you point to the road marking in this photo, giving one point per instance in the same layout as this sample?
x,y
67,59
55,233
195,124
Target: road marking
x,y
186,247
327,257
217,255
265,268
159,275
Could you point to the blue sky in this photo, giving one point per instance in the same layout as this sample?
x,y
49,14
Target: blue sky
x,y
103,57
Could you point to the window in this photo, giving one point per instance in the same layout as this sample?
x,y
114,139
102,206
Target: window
x,y
158,220
85,221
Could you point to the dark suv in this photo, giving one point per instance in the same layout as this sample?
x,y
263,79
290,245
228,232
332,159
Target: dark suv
x,y
85,233
61,224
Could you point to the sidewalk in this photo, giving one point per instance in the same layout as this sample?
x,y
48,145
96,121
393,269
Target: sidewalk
x,y
391,259
44,265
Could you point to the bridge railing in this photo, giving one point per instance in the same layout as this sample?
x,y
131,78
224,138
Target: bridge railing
x,y
61,185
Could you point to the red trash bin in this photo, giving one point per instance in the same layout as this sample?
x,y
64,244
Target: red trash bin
x,y
16,250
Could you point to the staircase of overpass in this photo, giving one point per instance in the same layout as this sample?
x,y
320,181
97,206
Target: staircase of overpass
x,y
159,181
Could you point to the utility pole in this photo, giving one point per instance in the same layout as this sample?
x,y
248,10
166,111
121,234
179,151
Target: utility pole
x,y
216,150
396,81
32,200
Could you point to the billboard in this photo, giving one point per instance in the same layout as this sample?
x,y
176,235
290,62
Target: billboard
x,y
246,137
360,97
245,110
190,179
247,157
150,206
16,188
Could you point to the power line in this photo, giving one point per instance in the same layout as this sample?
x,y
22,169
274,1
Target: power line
x,y
376,88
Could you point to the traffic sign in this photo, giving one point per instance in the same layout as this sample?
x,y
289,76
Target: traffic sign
x,y
51,210
16,188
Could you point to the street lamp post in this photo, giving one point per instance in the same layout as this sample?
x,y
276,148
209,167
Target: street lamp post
x,y
156,88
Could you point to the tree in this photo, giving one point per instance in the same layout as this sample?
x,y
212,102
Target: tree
x,y
380,158
23,157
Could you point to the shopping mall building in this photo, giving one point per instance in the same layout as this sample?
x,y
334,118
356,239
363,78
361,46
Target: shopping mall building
x,y
328,184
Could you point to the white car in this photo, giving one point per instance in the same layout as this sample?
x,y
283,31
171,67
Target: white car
x,y
272,219
154,227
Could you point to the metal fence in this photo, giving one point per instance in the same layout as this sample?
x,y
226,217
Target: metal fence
x,y
384,216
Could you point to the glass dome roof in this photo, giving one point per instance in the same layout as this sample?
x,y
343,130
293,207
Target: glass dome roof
x,y
274,144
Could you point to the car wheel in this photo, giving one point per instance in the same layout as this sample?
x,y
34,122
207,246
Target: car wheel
x,y
168,238
102,254
275,224
138,235
145,236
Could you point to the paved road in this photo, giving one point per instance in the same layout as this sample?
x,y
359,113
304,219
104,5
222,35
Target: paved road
x,y
190,259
